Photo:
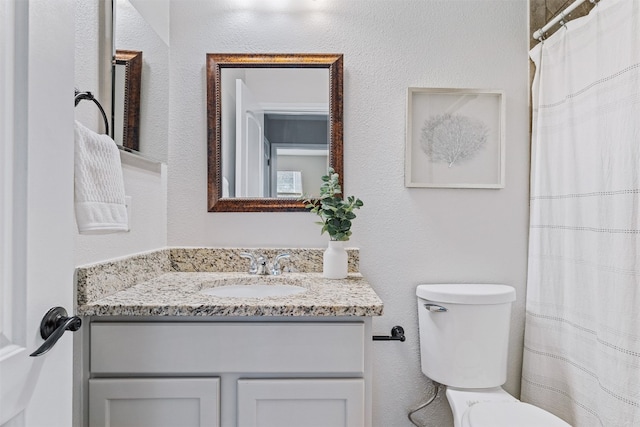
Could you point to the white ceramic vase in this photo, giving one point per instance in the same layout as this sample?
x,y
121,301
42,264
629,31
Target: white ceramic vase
x,y
335,261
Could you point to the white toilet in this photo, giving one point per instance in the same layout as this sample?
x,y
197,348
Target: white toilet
x,y
464,337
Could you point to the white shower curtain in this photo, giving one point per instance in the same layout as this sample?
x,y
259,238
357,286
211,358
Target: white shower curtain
x,y
582,334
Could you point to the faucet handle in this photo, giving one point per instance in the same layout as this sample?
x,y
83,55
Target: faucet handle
x,y
253,267
281,256
275,269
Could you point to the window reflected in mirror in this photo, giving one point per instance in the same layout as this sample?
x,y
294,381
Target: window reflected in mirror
x,y
289,183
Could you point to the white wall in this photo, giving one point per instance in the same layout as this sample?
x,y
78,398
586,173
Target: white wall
x,y
289,85
144,181
406,236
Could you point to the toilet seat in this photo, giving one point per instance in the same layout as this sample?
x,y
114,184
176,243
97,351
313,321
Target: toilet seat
x,y
508,414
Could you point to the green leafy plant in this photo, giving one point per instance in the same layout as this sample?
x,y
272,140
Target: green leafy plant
x,y
335,212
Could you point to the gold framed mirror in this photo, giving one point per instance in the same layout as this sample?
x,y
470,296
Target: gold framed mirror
x,y
242,157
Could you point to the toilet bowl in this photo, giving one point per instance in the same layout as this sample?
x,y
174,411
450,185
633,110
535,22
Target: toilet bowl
x,y
495,407
464,338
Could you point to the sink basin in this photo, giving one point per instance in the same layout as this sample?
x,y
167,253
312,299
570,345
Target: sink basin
x,y
254,290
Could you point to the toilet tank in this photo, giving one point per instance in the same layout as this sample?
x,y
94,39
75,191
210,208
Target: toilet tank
x,y
464,333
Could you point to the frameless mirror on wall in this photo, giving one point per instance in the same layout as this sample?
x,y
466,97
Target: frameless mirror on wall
x,y
140,76
275,126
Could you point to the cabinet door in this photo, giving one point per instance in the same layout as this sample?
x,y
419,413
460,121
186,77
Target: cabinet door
x,y
154,402
301,402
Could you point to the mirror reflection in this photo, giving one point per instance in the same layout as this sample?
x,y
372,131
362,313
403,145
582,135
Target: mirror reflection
x,y
142,26
275,138
275,126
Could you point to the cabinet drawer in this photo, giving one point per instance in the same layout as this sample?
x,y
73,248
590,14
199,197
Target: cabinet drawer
x,y
208,348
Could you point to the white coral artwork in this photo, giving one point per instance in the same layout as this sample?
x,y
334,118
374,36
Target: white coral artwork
x,y
452,138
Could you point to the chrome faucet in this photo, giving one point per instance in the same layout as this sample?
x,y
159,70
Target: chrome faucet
x,y
275,268
260,266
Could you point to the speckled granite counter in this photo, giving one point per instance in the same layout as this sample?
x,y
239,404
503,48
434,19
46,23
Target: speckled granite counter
x,y
178,294
168,283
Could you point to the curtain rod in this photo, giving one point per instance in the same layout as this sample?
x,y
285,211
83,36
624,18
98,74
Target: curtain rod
x,y
539,35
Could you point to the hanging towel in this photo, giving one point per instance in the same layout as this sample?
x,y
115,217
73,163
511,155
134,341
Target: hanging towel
x,y
99,185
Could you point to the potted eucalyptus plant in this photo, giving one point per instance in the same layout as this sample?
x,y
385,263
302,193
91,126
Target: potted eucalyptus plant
x,y
336,216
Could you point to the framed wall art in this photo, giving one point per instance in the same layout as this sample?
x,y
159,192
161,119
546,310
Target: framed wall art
x,y
455,138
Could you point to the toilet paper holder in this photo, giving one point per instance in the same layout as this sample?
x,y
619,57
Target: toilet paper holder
x,y
397,334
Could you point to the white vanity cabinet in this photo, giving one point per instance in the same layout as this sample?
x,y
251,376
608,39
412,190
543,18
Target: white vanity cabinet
x,y
279,372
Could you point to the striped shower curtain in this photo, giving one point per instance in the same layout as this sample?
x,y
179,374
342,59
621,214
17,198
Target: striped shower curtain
x,y
582,334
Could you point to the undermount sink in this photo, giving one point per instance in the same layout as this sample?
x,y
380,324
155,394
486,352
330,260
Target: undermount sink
x,y
252,288
254,291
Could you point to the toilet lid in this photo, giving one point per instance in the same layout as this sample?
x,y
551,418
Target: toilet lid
x,y
508,414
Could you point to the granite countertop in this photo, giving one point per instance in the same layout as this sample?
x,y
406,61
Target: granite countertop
x,y
178,294
169,283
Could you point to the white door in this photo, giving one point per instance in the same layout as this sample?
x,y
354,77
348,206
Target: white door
x,y
36,207
250,152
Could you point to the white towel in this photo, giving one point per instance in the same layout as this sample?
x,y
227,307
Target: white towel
x,y
99,185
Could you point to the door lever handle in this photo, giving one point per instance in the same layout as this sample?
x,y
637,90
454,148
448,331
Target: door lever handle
x,y
53,325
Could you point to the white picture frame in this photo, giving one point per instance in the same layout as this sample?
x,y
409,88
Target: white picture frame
x,y
289,183
455,138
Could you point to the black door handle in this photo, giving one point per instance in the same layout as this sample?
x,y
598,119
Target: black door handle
x,y
52,326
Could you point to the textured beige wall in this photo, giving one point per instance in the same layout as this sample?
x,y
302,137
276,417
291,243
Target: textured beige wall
x,y
406,236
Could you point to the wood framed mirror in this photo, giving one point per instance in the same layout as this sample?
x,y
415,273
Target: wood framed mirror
x,y
255,123
127,76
